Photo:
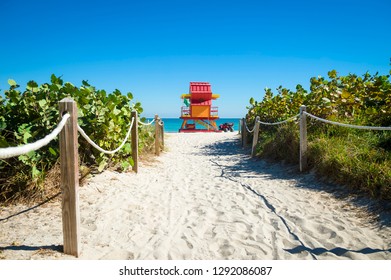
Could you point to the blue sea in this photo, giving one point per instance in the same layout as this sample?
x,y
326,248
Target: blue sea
x,y
174,124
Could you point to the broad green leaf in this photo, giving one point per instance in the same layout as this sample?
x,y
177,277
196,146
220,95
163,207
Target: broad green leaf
x,y
35,172
69,84
85,83
127,148
32,155
23,158
3,142
332,74
345,94
42,103
32,84
3,125
116,111
131,161
26,136
12,82
102,165
52,151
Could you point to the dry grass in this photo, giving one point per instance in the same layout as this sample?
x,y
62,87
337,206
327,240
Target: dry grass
x,y
18,189
358,160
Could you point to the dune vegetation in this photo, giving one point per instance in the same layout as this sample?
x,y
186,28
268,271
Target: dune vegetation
x,y
29,115
359,159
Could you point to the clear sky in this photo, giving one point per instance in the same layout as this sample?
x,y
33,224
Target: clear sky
x,y
155,48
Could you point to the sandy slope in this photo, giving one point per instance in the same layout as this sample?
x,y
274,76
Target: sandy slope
x,y
203,199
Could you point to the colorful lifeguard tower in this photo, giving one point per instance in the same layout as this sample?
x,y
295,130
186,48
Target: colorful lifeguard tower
x,y
198,109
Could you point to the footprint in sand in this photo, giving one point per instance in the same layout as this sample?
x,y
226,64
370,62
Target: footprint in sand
x,y
187,242
89,224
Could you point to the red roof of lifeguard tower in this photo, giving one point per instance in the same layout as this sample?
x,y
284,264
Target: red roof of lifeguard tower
x,y
199,108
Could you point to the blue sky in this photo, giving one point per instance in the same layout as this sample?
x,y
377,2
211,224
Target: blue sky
x,y
155,48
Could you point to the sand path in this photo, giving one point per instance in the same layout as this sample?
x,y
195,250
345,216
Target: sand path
x,y
204,198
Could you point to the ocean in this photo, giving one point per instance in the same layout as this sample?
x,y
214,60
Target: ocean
x,y
172,125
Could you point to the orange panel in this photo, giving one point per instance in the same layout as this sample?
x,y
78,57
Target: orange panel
x,y
200,111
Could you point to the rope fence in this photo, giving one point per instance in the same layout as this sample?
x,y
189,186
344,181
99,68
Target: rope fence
x,y
303,131
93,144
249,130
281,122
146,124
67,130
24,149
348,125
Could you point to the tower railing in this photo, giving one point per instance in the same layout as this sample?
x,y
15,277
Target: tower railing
x,y
185,111
214,111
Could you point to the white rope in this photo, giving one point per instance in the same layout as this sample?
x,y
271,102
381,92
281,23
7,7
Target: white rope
x,y
99,148
146,124
277,123
249,131
24,149
348,125
161,123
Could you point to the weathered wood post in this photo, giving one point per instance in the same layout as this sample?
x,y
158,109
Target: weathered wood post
x,y
157,135
162,133
240,127
303,138
69,164
241,131
255,138
245,133
134,144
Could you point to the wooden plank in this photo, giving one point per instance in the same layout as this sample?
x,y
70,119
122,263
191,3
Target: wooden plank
x,y
157,135
134,138
242,132
255,138
162,134
303,138
69,164
245,133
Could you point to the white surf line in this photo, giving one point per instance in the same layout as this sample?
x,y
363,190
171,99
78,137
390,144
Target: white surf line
x,y
268,205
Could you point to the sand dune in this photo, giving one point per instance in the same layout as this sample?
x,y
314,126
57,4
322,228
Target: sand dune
x,y
204,198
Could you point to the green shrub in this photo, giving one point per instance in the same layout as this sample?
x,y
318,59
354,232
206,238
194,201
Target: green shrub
x,y
356,158
29,115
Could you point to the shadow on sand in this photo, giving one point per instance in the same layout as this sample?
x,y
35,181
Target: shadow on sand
x,y
58,248
336,251
248,167
245,166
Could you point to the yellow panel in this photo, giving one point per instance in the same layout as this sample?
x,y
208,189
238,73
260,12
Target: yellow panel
x,y
200,111
185,95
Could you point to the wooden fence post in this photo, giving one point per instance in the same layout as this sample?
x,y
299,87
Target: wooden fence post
x,y
157,136
135,141
242,131
255,138
245,133
69,164
162,133
303,138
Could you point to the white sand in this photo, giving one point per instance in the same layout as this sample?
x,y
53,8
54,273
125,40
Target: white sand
x,y
204,198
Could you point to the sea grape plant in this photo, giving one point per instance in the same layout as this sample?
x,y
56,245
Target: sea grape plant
x,y
30,114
